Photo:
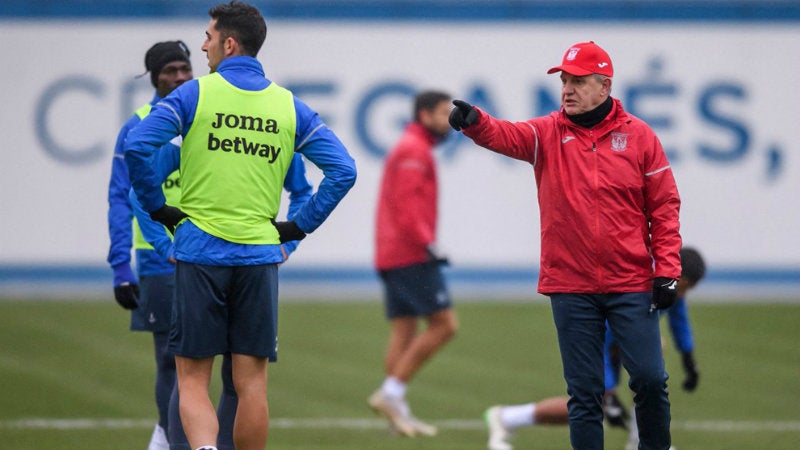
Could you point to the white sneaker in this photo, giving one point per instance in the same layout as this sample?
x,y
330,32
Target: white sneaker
x,y
425,429
158,441
499,435
394,410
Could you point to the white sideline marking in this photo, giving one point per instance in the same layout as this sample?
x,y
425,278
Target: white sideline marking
x,y
76,424
376,424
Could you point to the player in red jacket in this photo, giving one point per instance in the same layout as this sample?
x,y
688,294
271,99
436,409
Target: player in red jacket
x,y
407,263
610,241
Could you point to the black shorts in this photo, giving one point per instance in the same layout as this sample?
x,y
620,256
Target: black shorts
x,y
225,309
416,290
155,303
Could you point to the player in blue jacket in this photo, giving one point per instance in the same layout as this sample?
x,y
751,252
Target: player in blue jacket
x,y
148,296
166,164
240,131
693,269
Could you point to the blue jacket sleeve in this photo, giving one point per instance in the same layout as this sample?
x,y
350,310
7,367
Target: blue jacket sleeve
x,y
300,191
169,118
296,183
154,233
166,161
680,327
120,214
320,146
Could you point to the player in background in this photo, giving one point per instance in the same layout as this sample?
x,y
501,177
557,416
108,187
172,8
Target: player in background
x,y
149,298
407,262
503,420
240,131
693,270
167,163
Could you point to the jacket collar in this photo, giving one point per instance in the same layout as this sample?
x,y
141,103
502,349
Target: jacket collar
x,y
241,62
614,119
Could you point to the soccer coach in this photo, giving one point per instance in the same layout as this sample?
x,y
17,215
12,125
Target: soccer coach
x,y
609,211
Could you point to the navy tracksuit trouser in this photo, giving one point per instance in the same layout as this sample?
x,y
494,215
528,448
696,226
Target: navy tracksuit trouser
x,y
581,323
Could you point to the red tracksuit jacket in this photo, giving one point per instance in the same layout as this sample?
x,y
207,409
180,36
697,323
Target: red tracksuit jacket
x,y
407,208
607,198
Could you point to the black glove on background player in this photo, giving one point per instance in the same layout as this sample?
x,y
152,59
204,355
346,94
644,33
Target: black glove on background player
x,y
435,257
127,295
169,216
463,115
289,231
665,291
692,375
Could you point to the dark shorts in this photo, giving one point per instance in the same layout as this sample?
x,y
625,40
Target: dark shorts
x,y
225,309
155,303
416,290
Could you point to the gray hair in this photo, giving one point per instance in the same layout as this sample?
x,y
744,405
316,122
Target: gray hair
x,y
601,78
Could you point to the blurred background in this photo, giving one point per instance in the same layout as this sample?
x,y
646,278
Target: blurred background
x,y
715,79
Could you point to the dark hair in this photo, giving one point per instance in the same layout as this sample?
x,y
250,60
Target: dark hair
x,y
693,267
242,22
428,100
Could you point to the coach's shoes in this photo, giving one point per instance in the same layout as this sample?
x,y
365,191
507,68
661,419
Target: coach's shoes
x,y
499,435
395,411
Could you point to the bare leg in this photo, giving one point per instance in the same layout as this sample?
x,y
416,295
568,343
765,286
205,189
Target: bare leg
x,y
252,416
406,352
402,334
442,326
552,411
197,412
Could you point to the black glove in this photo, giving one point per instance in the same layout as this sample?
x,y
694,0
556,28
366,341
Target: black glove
x,y
463,115
692,375
665,291
615,412
127,295
436,258
169,216
289,231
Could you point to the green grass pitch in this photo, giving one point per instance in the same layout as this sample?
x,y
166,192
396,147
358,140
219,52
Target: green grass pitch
x,y
74,377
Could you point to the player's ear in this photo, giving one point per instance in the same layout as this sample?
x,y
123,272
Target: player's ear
x,y
607,84
231,46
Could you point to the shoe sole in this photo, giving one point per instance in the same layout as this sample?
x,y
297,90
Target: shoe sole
x,y
424,429
399,425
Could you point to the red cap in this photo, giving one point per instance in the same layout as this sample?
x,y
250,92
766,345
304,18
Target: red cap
x,y
585,58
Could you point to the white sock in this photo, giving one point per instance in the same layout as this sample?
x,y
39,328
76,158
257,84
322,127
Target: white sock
x,y
634,435
207,447
158,440
394,387
516,416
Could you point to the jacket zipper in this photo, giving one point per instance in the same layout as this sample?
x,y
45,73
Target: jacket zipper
x,y
599,269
